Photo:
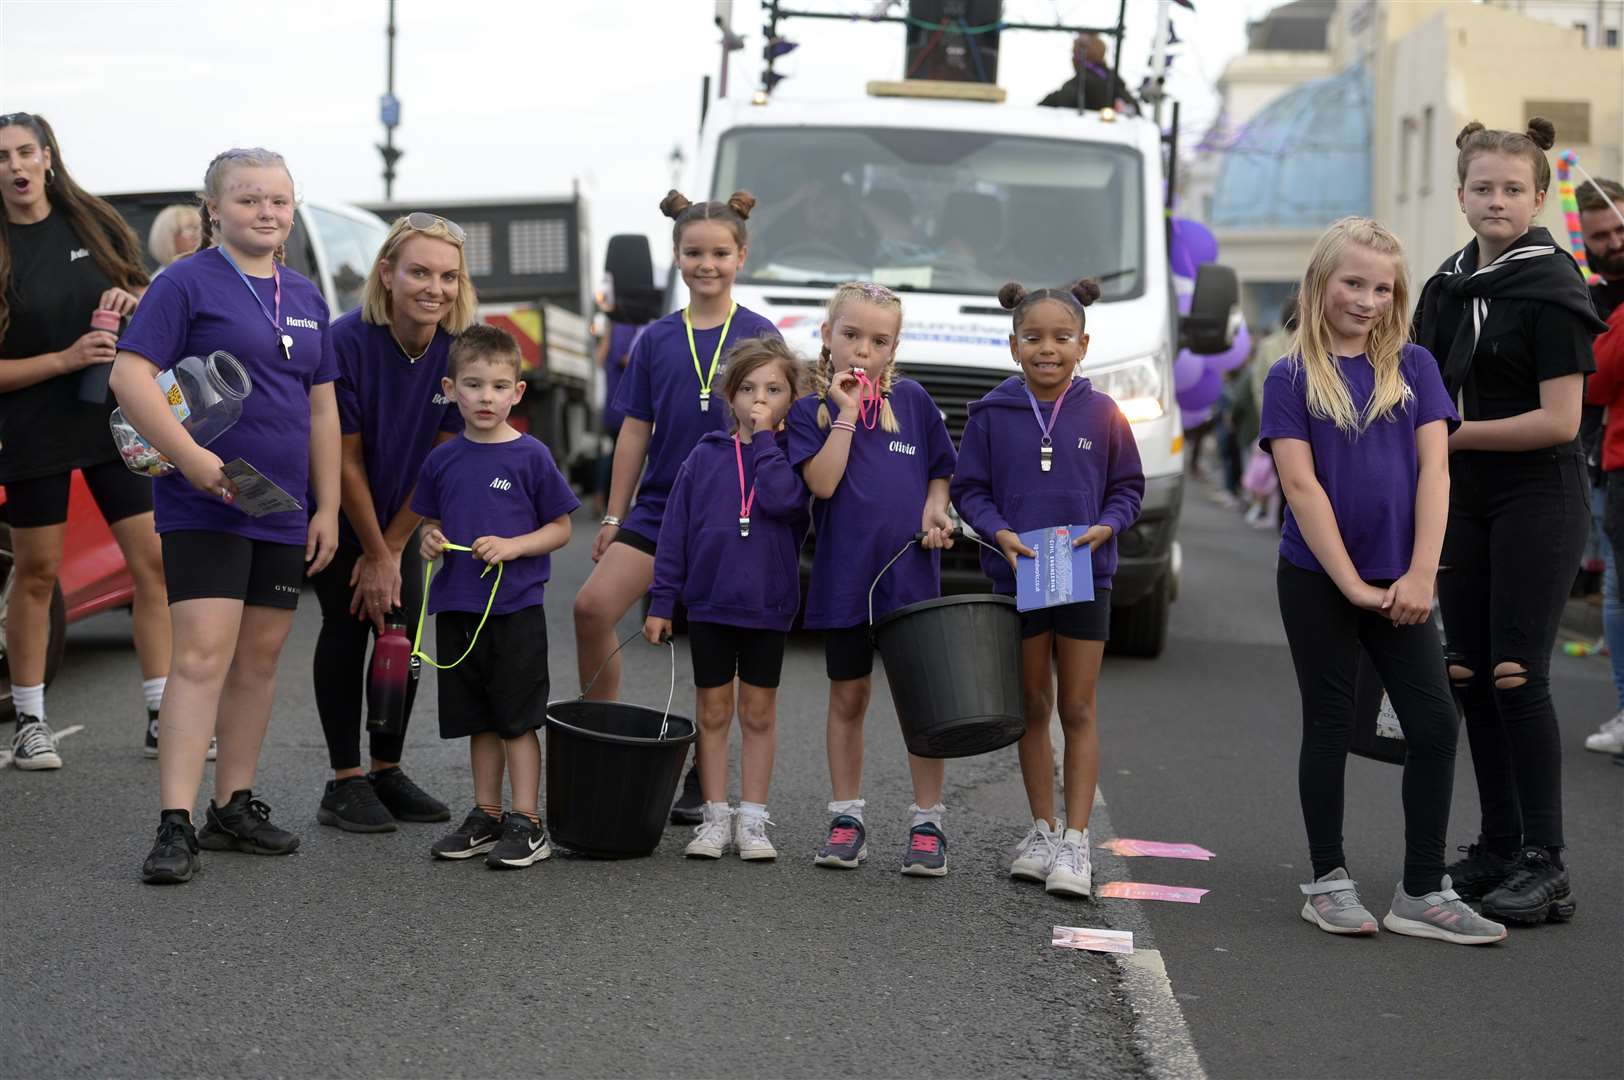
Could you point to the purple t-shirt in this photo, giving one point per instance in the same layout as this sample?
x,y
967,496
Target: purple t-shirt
x,y
198,305
875,509
1370,478
660,386
490,489
621,336
395,405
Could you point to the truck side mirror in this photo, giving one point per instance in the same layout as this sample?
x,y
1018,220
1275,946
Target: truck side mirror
x,y
1215,312
630,263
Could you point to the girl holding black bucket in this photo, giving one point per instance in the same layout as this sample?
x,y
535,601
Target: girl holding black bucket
x,y
875,452
1046,449
665,397
741,586
1358,423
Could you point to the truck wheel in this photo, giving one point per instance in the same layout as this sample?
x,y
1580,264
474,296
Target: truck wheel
x,y
1141,630
59,628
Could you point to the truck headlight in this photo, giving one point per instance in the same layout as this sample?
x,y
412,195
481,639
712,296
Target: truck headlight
x,y
1137,387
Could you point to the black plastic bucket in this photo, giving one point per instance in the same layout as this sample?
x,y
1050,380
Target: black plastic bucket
x,y
612,773
954,665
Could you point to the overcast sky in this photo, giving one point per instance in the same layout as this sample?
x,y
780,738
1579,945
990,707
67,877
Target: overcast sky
x,y
507,98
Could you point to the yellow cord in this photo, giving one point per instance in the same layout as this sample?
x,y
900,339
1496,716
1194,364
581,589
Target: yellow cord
x,y
428,573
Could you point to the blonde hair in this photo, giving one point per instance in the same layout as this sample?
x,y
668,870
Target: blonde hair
x,y
253,157
1310,348
376,306
171,220
823,373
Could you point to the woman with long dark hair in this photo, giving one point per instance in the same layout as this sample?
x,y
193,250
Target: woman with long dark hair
x,y
64,255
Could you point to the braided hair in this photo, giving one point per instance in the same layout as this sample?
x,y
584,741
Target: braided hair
x,y
823,372
215,175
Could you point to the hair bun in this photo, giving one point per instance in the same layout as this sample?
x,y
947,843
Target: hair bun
x,y
674,203
1542,132
1086,291
1467,132
741,203
1011,295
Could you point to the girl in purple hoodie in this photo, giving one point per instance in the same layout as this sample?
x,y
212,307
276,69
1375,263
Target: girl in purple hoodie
x,y
1045,449
729,548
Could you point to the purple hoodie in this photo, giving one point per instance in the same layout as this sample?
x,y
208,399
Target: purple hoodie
x,y
1096,478
746,581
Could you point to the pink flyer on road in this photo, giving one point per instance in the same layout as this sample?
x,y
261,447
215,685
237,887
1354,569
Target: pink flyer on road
x,y
1139,890
1091,940
1157,849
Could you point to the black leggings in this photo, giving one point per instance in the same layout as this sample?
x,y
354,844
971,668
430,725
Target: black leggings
x,y
1326,633
1517,530
341,657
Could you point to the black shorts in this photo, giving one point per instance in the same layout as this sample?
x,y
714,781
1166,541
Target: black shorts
x,y
200,565
635,541
119,494
1087,621
502,687
719,651
848,653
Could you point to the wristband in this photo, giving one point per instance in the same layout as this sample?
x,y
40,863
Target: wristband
x,y
610,519
843,425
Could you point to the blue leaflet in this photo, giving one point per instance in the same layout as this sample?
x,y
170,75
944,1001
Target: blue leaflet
x,y
1061,574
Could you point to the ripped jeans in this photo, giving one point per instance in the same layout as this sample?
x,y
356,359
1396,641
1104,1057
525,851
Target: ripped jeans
x,y
1518,523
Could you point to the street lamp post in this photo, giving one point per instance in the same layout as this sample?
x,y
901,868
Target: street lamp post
x,y
389,113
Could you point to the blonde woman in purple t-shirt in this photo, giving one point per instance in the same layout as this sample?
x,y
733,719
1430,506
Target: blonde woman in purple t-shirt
x,y
1358,422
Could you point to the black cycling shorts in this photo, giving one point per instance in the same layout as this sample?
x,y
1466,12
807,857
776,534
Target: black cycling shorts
x,y
42,501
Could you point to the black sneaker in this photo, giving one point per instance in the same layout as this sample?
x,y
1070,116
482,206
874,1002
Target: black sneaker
x,y
1534,891
523,842
150,747
404,799
689,808
244,824
173,859
1479,874
34,744
477,835
351,804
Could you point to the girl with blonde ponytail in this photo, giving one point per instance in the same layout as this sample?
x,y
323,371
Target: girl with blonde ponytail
x,y
878,470
1358,421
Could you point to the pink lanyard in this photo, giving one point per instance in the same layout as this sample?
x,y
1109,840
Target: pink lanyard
x,y
745,503
865,385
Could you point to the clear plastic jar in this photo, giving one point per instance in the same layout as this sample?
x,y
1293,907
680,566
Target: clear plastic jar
x,y
206,396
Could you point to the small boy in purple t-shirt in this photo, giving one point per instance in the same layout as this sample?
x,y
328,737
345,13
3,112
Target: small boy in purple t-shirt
x,y
493,497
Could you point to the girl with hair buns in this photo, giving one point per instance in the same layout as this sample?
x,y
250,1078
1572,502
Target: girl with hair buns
x,y
64,255
234,579
671,396
1510,320
876,454
1041,449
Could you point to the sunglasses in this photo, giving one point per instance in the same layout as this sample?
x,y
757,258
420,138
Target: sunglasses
x,y
8,119
423,222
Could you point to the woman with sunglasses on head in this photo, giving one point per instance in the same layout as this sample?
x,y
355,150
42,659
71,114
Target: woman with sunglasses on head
x,y
64,256
391,355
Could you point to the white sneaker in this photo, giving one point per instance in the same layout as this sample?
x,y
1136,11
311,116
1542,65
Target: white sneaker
x,y
34,745
214,749
1034,859
1073,874
750,837
711,834
1610,739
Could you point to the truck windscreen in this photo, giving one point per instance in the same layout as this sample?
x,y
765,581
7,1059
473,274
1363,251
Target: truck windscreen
x,y
936,211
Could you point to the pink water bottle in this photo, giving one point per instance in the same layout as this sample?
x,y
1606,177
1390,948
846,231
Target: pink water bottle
x,y
389,680
93,383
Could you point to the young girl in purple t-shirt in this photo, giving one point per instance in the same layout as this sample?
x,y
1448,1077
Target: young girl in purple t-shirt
x,y
873,448
1358,422
741,586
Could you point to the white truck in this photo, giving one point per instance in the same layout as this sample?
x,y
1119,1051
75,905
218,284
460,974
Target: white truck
x,y
943,192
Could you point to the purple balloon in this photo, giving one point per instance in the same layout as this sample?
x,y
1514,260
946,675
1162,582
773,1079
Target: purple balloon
x,y
1235,355
1204,393
1192,245
1195,417
1187,370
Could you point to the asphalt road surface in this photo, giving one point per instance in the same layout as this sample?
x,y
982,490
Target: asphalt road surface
x,y
361,956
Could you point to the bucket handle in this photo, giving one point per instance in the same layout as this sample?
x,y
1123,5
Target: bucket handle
x,y
665,721
955,533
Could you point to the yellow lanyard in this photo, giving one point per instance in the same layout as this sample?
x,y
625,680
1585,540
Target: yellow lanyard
x,y
417,642
693,351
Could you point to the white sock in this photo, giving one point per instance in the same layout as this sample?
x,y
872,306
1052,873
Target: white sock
x,y
1074,836
29,701
717,811
849,807
752,810
153,691
1046,825
931,814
